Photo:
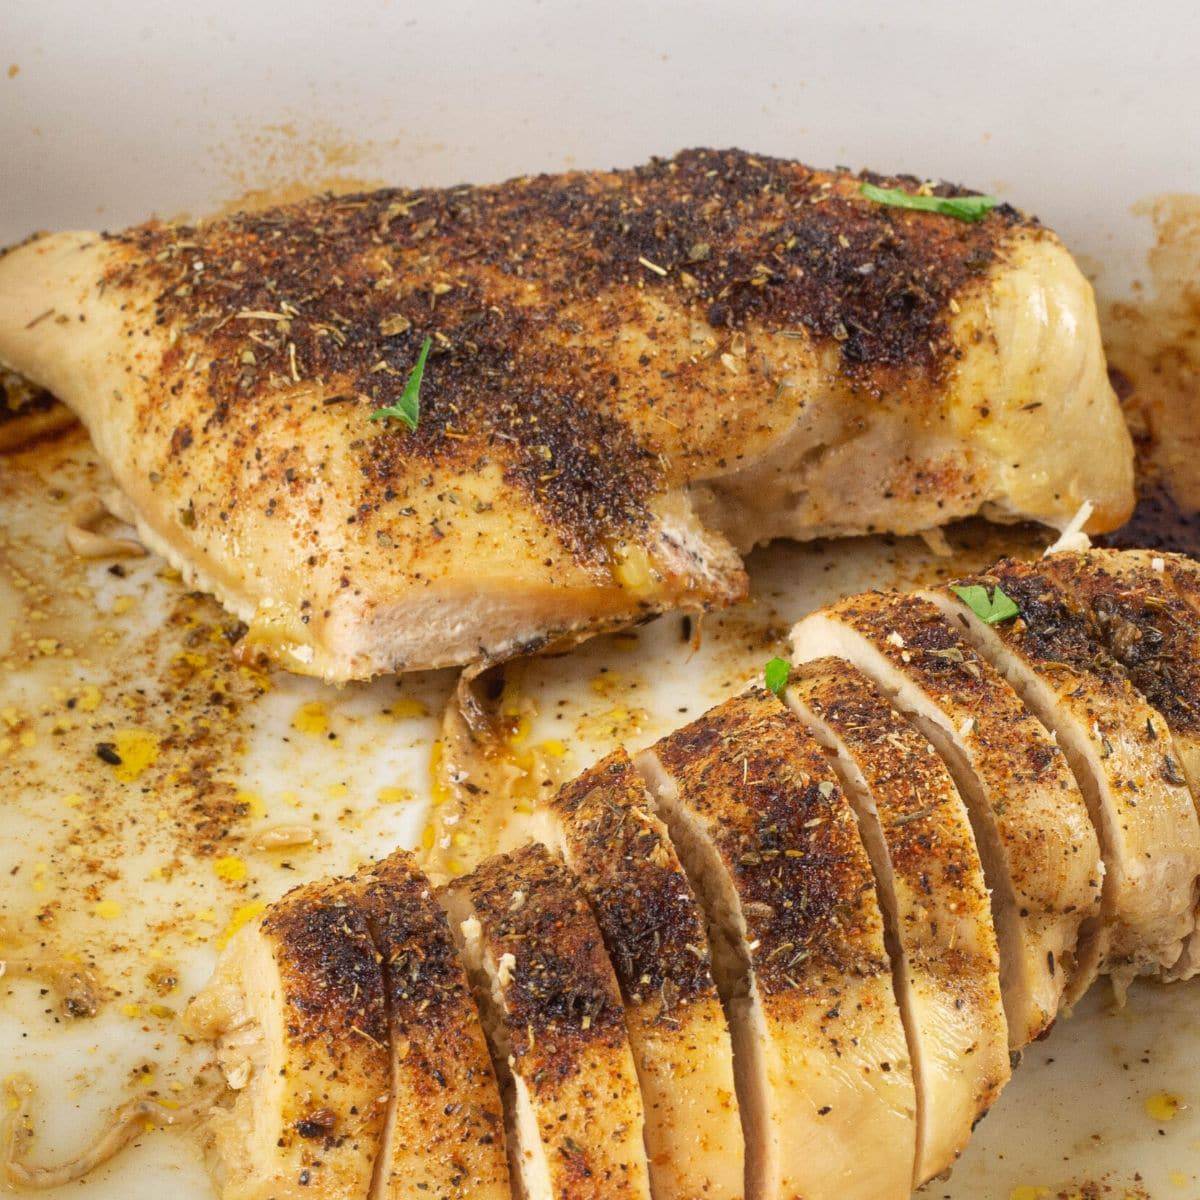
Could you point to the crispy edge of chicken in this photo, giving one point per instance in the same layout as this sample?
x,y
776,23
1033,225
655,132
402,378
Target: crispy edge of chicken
x,y
772,847
945,958
552,1010
297,1009
444,1134
807,364
1123,758
605,825
1039,850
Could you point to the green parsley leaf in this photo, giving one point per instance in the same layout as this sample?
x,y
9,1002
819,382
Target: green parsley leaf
x,y
991,610
965,208
776,674
408,407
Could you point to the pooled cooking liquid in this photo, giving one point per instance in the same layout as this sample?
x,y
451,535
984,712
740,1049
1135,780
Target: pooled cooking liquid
x,y
1152,340
1158,523
487,774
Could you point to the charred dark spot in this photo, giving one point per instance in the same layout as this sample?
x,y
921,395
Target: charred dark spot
x,y
317,1124
426,984
332,981
1148,628
1054,625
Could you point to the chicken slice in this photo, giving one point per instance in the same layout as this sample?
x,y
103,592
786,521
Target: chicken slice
x,y
1039,850
552,1009
633,377
945,959
604,824
1121,752
1149,628
444,1135
297,1009
772,848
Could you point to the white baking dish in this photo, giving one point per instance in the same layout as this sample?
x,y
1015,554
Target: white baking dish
x,y
1074,112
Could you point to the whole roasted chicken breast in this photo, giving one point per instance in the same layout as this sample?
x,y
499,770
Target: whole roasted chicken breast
x,y
631,377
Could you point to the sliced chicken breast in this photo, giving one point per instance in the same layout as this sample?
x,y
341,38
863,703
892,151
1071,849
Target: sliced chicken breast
x,y
1149,628
1039,851
298,1012
632,377
604,824
772,847
444,1134
1121,752
945,958
553,1012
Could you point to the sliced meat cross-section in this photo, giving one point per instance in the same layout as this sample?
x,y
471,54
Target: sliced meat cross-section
x,y
1149,628
945,957
1121,752
297,1009
444,1137
604,824
553,1013
1039,850
772,847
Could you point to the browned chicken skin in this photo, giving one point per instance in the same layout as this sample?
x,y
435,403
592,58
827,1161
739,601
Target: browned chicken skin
x,y
633,376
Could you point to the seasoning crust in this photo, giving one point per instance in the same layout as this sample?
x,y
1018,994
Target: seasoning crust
x,y
945,959
522,286
620,851
788,836
297,1009
1030,820
445,1137
564,1027
1145,625
819,1042
634,376
641,898
330,972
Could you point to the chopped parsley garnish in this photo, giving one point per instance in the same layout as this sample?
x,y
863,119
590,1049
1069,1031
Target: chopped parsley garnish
x,y
776,674
408,407
964,208
991,610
